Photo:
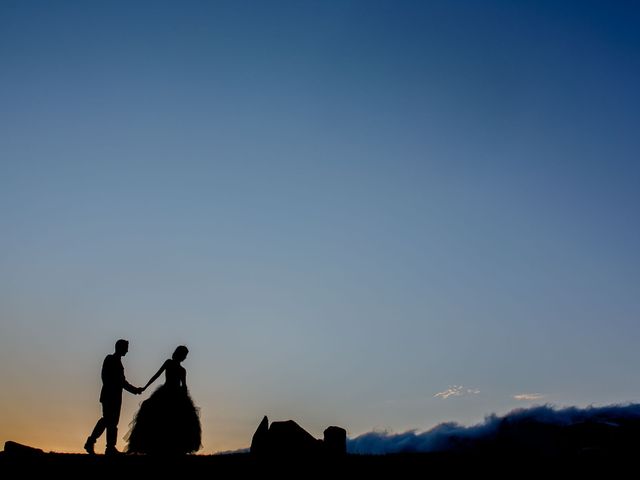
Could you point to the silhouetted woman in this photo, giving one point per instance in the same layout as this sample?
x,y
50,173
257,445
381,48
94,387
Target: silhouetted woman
x,y
168,421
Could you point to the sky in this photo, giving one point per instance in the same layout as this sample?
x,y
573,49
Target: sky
x,y
380,215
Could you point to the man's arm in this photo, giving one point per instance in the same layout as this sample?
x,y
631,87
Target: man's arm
x,y
131,389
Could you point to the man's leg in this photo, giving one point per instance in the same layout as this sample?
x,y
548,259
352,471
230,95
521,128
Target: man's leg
x,y
111,415
97,431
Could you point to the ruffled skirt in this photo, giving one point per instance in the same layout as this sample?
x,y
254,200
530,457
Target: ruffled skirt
x,y
167,423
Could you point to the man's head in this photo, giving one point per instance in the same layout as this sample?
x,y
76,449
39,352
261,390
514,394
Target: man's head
x,y
122,347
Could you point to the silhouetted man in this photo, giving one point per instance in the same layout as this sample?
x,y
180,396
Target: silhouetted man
x,y
113,381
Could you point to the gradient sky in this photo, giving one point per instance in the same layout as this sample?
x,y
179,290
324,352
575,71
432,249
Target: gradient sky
x,y
343,208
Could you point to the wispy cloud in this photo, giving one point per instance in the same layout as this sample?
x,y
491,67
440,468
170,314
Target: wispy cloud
x,y
456,391
529,396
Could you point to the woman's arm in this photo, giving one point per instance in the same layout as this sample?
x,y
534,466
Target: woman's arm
x,y
158,373
183,378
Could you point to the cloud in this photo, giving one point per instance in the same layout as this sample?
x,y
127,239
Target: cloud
x,y
232,452
529,396
514,429
456,391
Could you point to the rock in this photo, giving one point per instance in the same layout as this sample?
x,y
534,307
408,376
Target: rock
x,y
288,438
335,440
14,448
260,440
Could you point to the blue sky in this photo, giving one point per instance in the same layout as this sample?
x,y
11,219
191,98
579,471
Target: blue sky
x,y
341,208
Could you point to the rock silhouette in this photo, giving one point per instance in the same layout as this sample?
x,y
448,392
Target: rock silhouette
x,y
18,449
260,439
335,440
287,438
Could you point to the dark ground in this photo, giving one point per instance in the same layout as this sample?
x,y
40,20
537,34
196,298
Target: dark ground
x,y
595,464
606,444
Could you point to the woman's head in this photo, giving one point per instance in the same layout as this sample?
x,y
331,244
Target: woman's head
x,y
180,353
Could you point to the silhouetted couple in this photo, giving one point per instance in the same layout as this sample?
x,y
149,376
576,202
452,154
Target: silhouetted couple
x,y
167,422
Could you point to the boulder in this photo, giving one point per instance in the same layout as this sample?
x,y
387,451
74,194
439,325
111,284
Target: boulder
x,y
14,448
260,440
288,438
335,440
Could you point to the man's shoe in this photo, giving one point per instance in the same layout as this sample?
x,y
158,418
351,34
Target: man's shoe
x,y
88,446
112,451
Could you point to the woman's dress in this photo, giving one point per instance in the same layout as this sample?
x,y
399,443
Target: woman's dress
x,y
168,422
